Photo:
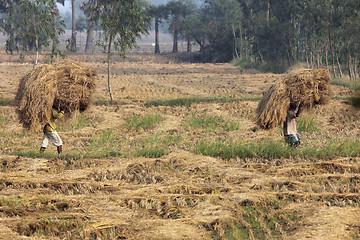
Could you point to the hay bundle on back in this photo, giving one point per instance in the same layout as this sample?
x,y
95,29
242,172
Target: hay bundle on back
x,y
63,84
308,87
272,108
76,85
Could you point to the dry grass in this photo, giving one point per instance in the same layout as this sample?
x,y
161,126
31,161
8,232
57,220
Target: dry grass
x,y
101,187
306,87
63,84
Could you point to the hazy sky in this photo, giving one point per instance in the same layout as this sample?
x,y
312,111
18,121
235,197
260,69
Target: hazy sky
x,y
64,9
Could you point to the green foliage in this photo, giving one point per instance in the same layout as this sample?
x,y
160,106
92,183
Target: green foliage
x,y
137,121
122,22
81,23
31,23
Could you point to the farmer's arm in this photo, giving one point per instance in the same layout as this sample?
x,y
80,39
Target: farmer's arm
x,y
57,114
300,108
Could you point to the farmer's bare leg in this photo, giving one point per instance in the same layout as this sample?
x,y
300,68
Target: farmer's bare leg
x,y
59,149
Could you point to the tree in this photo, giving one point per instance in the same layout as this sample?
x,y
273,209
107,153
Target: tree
x,y
158,13
8,7
178,11
73,28
86,7
32,26
122,22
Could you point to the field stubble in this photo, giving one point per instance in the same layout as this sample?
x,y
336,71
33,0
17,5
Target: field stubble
x,y
132,171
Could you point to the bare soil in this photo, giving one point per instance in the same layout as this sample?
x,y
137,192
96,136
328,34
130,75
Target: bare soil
x,y
180,195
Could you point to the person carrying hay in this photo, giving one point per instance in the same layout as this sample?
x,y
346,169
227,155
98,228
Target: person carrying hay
x,y
290,131
50,133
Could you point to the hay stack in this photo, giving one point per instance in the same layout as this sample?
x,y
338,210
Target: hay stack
x,y
272,108
308,87
63,84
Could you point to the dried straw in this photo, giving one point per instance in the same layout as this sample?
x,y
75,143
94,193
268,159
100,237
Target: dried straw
x,y
272,108
35,96
63,84
308,87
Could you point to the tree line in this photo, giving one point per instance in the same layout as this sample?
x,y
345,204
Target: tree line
x,y
268,34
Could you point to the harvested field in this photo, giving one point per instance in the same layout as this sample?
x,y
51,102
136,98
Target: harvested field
x,y
179,156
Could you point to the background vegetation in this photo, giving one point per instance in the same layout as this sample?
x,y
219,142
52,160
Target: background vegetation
x,y
268,35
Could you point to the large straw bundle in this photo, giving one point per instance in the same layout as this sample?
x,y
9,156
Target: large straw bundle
x,y
75,85
63,84
308,87
272,108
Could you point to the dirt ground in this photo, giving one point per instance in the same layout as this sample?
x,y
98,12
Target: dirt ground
x,y
181,194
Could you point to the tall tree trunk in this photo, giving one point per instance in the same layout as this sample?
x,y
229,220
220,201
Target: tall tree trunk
x,y
73,30
349,64
175,40
54,40
36,35
338,64
355,67
109,62
89,38
333,63
157,46
235,52
11,42
188,48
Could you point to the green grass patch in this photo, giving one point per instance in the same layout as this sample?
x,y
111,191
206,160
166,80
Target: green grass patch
x,y
229,150
73,155
307,123
137,121
212,123
265,220
157,145
274,150
106,141
190,100
78,121
150,151
345,82
6,102
354,101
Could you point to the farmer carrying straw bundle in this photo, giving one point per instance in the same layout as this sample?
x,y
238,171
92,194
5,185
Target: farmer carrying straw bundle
x,y
50,133
46,91
302,89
